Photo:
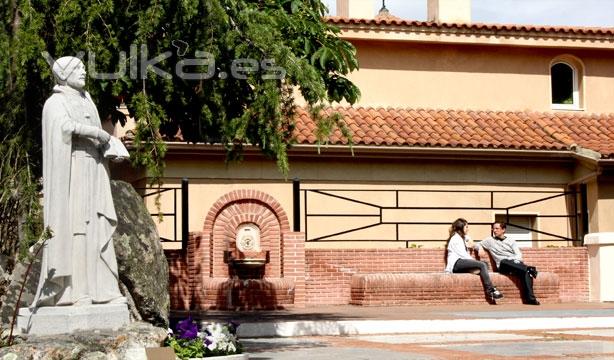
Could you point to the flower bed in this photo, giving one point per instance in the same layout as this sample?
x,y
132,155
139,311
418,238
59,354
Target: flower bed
x,y
189,341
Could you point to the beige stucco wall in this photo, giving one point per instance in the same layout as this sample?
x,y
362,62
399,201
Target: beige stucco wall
x,y
438,196
431,75
211,179
600,194
604,210
592,194
601,263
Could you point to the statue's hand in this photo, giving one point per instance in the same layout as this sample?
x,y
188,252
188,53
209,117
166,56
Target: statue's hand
x,y
103,137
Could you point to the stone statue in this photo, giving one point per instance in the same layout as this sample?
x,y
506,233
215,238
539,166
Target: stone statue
x,y
78,263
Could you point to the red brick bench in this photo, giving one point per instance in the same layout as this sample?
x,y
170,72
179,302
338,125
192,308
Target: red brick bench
x,y
441,288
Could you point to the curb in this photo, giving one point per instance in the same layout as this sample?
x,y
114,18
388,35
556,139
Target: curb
x,y
371,327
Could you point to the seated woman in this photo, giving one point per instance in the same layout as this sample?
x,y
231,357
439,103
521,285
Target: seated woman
x,y
459,260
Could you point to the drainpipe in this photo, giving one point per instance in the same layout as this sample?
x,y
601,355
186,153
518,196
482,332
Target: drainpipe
x,y
296,202
184,214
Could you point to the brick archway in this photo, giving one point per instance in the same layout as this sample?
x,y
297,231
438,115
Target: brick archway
x,y
239,207
210,280
243,195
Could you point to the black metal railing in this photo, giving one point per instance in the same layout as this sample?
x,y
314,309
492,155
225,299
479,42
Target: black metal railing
x,y
183,190
377,212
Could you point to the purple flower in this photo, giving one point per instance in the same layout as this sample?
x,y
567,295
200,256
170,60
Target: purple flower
x,y
187,329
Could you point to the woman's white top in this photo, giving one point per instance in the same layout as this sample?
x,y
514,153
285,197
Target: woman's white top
x,y
457,250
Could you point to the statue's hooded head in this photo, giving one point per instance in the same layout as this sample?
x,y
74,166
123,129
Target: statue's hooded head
x,y
69,70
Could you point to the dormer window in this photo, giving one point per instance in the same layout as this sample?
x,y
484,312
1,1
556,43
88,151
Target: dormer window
x,y
566,83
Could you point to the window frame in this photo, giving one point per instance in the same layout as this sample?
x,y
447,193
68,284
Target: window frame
x,y
577,72
533,224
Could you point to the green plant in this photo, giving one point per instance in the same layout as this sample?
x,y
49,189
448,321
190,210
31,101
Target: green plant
x,y
188,341
292,47
187,349
20,209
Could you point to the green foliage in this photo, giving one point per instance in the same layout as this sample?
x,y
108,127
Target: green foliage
x,y
257,109
213,340
20,210
326,124
186,349
21,88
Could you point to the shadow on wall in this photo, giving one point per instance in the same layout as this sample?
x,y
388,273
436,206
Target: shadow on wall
x,y
248,294
179,287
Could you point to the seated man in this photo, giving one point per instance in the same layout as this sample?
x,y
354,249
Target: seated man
x,y
508,258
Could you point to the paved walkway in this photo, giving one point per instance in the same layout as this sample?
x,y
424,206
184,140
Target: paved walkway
x,y
357,320
551,331
552,344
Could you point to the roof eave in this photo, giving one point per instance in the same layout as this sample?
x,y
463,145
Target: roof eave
x,y
467,35
407,152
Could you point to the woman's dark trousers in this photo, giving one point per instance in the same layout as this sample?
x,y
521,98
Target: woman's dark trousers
x,y
466,265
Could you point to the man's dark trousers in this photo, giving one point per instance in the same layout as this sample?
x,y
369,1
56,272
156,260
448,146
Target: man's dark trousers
x,y
509,267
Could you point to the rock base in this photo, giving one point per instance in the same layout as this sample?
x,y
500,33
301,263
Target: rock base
x,y
68,319
128,343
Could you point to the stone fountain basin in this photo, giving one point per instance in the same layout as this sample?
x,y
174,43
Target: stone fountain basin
x,y
248,263
248,268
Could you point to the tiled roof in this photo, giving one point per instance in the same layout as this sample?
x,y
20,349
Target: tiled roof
x,y
589,131
467,129
581,31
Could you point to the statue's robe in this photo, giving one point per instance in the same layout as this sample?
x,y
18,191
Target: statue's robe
x,y
78,262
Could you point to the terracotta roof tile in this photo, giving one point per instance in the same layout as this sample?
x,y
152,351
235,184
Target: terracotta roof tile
x,y
520,130
478,27
588,131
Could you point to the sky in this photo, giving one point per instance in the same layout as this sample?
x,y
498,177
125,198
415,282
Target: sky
x,y
599,13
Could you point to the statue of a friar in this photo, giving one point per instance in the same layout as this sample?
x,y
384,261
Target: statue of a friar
x,y
78,264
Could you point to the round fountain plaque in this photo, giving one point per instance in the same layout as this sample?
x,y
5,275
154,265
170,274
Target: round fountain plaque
x,y
248,237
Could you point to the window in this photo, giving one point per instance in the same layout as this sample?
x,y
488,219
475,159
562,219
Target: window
x,y
523,237
562,77
566,83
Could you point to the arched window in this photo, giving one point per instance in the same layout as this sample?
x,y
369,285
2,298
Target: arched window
x,y
566,81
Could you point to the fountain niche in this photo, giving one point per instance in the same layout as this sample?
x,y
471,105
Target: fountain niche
x,y
247,258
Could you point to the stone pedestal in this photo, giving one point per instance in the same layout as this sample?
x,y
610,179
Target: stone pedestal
x,y
67,319
601,265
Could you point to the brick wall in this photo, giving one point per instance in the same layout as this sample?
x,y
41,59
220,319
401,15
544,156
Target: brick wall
x,y
294,264
382,289
329,272
179,287
323,276
236,208
200,281
571,264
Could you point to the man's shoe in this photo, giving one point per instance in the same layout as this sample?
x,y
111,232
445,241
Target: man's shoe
x,y
533,302
494,293
532,271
